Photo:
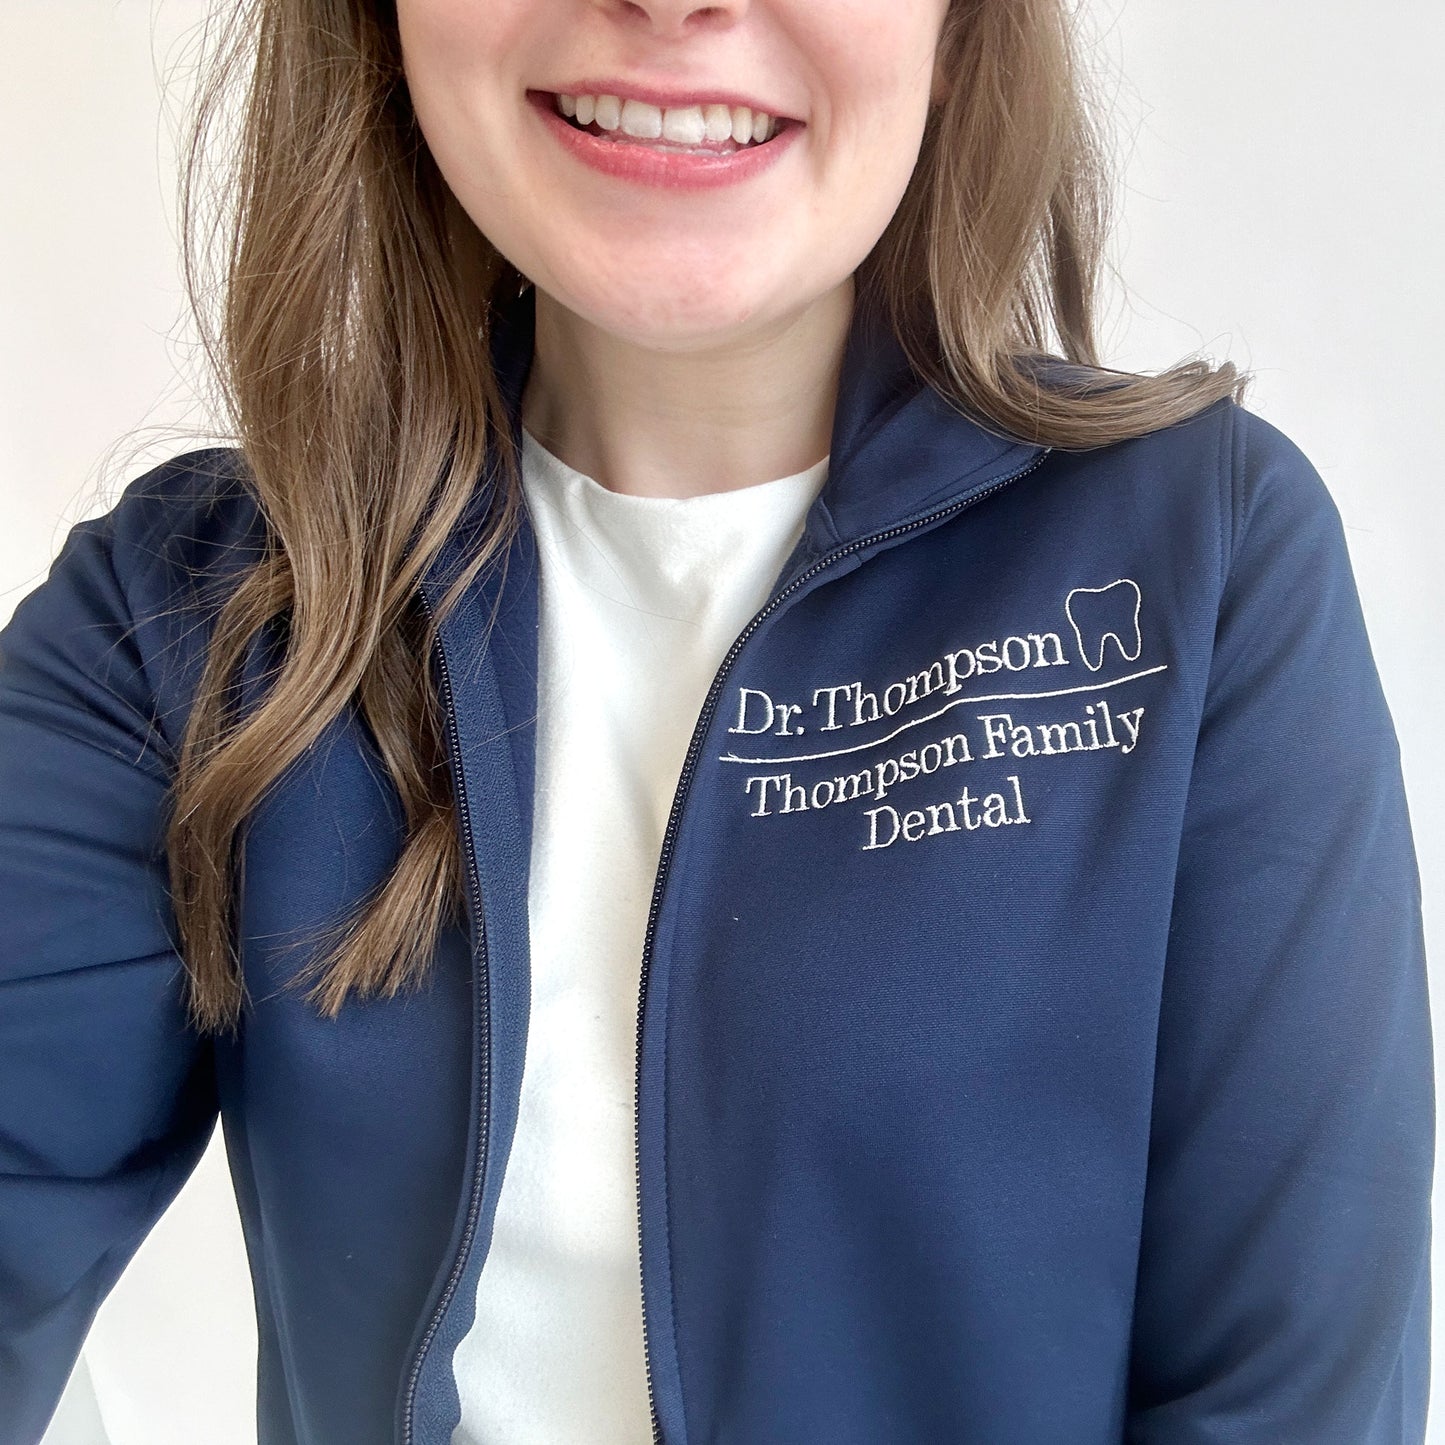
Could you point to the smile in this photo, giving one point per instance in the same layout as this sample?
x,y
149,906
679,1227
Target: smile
x,y
669,148
717,127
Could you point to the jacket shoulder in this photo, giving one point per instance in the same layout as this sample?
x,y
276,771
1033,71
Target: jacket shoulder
x,y
1267,485
130,599
1278,497
187,522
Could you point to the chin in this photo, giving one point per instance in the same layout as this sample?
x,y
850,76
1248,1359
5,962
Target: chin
x,y
665,311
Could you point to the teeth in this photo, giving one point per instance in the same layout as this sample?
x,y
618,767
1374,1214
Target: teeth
x,y
642,120
608,113
719,123
688,125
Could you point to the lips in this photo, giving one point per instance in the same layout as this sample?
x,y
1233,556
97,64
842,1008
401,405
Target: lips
x,y
663,166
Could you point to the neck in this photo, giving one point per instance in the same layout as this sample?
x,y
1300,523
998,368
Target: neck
x,y
683,423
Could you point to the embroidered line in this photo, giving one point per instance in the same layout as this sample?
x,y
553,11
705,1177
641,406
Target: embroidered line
x,y
929,717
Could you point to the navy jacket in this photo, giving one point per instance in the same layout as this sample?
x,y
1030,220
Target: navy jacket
x,y
1033,1042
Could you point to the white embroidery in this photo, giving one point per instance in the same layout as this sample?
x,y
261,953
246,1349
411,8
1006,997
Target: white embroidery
x,y
1094,613
1096,616
924,822
927,717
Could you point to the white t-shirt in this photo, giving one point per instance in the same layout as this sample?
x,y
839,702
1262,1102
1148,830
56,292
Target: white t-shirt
x,y
640,599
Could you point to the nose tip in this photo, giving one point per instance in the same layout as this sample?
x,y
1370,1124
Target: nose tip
x,y
678,17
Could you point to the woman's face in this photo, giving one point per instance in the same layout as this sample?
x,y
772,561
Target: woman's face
x,y
658,252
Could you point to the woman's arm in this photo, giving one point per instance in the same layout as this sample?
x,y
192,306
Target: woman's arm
x,y
106,1099
1284,1290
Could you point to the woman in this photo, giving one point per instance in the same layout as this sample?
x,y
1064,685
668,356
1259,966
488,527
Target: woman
x,y
747,844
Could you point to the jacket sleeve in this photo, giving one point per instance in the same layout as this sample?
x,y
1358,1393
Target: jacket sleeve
x,y
107,1100
1283,1295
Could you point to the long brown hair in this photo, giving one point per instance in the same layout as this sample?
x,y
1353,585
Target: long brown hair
x,y
349,348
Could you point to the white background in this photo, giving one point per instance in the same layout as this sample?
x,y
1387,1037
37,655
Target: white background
x,y
1281,205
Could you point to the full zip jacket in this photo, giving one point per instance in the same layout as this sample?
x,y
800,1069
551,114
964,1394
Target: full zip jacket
x,y
1033,1043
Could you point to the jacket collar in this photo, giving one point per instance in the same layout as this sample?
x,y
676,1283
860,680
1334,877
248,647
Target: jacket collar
x,y
898,450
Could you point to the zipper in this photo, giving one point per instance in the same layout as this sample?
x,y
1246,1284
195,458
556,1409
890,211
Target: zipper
x,y
679,797
481,1023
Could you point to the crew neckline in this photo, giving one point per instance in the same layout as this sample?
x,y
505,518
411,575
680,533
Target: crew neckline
x,y
551,465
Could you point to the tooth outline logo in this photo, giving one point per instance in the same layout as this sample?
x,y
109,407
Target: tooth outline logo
x,y
1103,637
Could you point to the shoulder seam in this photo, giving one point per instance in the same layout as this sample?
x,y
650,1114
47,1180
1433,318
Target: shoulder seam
x,y
1234,518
